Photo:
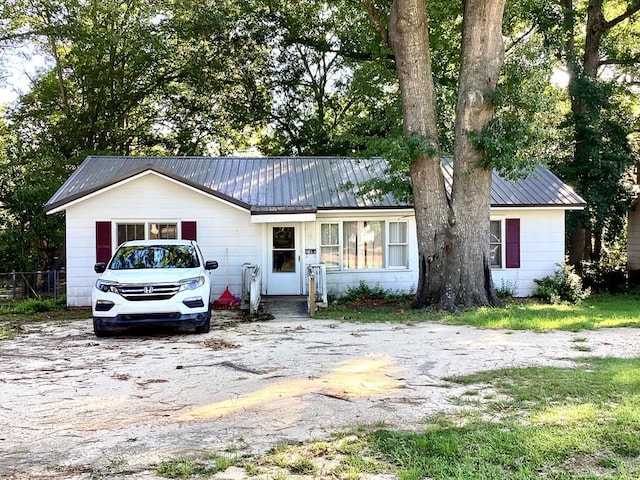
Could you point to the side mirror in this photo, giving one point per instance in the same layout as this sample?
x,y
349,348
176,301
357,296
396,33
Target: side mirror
x,y
210,265
100,267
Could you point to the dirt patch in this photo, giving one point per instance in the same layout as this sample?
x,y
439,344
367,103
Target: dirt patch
x,y
71,403
218,344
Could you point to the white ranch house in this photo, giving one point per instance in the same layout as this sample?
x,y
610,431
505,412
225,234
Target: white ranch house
x,y
284,214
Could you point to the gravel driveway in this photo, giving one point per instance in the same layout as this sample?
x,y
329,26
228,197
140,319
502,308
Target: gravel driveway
x,y
72,404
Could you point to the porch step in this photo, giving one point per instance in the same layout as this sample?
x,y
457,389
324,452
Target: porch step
x,y
286,306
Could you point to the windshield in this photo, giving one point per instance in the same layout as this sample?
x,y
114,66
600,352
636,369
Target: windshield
x,y
157,256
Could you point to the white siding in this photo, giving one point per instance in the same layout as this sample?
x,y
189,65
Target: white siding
x,y
395,279
542,237
542,240
225,233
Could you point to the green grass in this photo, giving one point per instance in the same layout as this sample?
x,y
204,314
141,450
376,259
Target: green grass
x,y
581,423
578,423
14,316
598,311
206,464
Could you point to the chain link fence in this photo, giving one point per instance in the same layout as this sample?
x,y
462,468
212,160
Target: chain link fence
x,y
23,285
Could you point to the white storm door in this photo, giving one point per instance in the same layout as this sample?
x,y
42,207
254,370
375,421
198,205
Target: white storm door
x,y
284,276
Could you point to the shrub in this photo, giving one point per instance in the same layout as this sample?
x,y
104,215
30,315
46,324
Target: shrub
x,y
563,286
364,291
33,305
607,275
506,290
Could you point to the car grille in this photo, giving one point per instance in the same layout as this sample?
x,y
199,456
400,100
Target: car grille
x,y
133,317
135,293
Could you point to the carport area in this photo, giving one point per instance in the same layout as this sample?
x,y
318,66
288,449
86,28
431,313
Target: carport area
x,y
71,403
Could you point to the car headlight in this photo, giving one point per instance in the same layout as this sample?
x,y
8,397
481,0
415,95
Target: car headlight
x,y
191,283
107,286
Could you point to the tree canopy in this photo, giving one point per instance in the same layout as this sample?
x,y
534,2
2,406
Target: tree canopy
x,y
313,78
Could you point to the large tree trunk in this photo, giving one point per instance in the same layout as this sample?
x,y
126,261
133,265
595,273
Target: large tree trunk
x,y
469,270
453,233
585,112
409,40
577,233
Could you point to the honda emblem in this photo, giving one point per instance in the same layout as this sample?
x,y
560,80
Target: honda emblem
x,y
148,289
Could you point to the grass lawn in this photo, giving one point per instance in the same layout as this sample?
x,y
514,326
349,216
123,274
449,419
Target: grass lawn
x,y
514,424
601,311
13,316
581,423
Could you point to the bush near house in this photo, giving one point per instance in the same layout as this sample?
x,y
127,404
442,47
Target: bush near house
x,y
565,285
608,274
364,293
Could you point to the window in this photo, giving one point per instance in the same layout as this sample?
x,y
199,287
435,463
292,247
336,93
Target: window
x,y
130,231
504,243
284,249
358,245
398,245
145,256
330,244
495,243
136,231
362,245
163,231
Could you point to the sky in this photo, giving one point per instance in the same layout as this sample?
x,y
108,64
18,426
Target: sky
x,y
15,75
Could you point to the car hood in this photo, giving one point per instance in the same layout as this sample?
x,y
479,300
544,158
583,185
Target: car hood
x,y
151,275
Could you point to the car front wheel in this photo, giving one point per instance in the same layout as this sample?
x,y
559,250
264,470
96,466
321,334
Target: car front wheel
x,y
99,331
206,326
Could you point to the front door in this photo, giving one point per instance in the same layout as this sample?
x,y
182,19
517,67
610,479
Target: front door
x,y
284,276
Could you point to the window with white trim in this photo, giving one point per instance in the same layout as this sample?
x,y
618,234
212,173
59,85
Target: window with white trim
x,y
495,243
364,244
130,231
398,245
136,231
504,243
330,245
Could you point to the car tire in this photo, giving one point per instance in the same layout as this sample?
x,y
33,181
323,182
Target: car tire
x,y
99,331
206,326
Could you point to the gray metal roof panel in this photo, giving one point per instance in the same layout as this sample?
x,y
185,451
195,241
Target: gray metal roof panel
x,y
540,187
297,183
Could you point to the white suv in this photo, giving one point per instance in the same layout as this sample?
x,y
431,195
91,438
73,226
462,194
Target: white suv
x,y
153,282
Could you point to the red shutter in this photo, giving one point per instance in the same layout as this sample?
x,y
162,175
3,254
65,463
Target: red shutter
x,y
512,242
103,241
189,231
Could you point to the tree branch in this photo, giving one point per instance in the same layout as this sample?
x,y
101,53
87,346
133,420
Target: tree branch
x,y
631,9
519,39
374,15
323,47
620,61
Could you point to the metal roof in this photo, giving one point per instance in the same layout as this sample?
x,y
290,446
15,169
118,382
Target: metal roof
x,y
292,184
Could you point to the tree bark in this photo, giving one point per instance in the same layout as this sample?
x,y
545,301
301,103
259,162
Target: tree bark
x,y
453,232
584,111
482,57
408,37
